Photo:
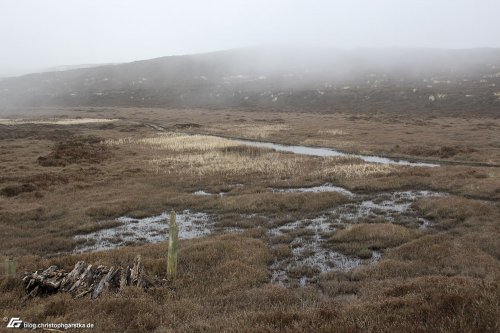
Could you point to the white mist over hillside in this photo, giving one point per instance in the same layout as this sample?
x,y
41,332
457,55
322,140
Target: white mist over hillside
x,y
36,34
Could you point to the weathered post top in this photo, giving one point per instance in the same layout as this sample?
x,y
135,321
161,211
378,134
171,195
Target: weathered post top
x,y
173,236
10,266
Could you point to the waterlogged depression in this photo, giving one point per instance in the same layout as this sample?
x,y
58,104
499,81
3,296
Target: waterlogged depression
x,y
316,189
146,230
387,206
309,253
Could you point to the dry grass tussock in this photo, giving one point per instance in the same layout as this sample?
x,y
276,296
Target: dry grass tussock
x,y
440,254
360,239
331,168
174,142
76,150
391,233
425,304
215,162
453,208
279,202
332,132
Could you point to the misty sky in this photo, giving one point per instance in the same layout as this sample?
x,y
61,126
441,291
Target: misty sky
x,y
36,34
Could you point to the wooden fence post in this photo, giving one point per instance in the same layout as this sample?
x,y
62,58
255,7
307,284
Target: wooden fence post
x,y
10,267
173,236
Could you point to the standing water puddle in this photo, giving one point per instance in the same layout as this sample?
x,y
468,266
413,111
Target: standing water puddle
x,y
146,230
201,192
309,253
387,206
316,189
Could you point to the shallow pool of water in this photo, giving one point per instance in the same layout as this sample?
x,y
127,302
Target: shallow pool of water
x,y
385,205
310,256
204,193
316,189
146,230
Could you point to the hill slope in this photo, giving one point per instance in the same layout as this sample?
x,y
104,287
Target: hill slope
x,y
290,77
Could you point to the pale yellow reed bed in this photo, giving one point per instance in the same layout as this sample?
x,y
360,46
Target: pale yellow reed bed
x,y
65,121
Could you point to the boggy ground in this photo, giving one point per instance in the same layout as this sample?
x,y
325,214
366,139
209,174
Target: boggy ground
x,y
58,181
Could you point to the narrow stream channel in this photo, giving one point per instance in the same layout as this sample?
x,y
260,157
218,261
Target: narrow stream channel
x,y
328,152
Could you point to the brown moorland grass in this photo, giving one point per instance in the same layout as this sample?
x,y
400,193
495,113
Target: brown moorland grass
x,y
207,260
55,121
453,208
280,202
459,180
372,133
441,254
442,279
359,238
75,150
222,275
427,304
425,136
333,171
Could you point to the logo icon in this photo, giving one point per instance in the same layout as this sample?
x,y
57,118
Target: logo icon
x,y
14,322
